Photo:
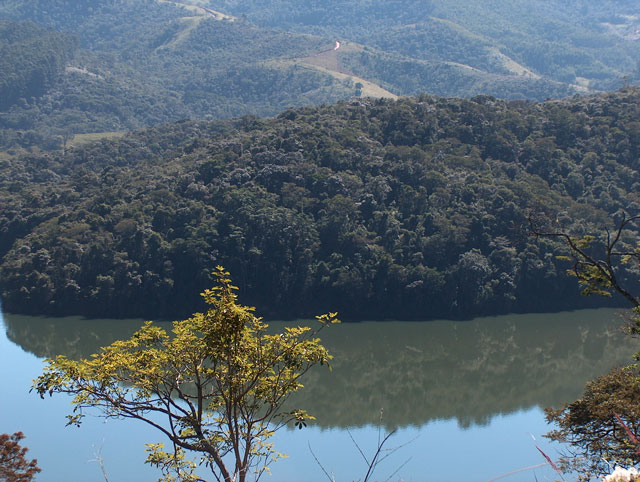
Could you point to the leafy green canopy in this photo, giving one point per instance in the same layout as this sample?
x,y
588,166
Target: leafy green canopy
x,y
32,60
219,382
403,210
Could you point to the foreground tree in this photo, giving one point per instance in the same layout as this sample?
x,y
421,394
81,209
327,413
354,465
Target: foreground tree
x,y
602,427
214,387
14,466
597,425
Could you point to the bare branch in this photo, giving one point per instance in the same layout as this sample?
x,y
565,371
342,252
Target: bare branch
x,y
598,275
331,479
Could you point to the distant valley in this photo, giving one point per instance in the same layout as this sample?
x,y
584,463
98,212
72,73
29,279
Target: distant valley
x,y
136,63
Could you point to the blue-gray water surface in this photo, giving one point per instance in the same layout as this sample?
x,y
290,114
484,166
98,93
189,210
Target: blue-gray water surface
x,y
467,397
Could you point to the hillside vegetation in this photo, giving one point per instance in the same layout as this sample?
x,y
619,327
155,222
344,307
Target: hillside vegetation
x,y
141,63
32,60
576,42
414,208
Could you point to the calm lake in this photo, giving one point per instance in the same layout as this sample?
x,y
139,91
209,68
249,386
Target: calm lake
x,y
467,397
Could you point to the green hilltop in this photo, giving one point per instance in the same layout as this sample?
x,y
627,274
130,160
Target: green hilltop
x,y
407,209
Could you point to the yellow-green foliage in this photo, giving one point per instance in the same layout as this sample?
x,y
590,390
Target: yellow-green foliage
x,y
219,381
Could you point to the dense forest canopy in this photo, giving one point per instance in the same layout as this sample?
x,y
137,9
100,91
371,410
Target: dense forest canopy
x,y
145,62
31,60
411,209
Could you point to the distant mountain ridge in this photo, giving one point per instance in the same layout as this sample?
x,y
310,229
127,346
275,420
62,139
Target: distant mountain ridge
x,y
142,63
579,43
145,62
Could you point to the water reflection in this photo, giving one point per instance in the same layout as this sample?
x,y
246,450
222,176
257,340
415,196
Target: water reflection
x,y
417,372
470,371
73,336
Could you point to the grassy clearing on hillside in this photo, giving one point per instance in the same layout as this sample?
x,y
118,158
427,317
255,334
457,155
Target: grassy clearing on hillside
x,y
76,141
82,139
329,62
201,11
189,25
369,89
513,66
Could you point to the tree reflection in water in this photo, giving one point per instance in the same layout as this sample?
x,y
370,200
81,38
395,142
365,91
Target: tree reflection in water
x,y
418,372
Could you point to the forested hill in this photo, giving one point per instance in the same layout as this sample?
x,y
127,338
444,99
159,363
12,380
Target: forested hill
x,y
572,42
378,209
141,63
32,60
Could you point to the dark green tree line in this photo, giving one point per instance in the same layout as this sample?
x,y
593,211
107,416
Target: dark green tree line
x,y
409,209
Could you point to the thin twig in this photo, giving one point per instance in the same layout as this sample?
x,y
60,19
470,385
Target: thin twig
x,y
398,469
98,458
518,471
358,447
582,259
373,463
332,479
548,459
390,452
631,435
